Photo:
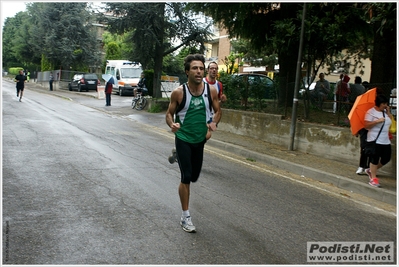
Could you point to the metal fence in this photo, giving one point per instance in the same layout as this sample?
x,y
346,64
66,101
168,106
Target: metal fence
x,y
342,108
169,86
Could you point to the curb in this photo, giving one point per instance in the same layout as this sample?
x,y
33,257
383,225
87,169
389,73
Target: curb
x,y
364,189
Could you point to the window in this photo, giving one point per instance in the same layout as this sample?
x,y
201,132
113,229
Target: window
x,y
131,72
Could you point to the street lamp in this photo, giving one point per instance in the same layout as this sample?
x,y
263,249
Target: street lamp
x,y
297,79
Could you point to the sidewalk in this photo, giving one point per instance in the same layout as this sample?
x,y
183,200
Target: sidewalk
x,y
339,174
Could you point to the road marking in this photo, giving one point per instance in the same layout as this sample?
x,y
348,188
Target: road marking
x,y
264,168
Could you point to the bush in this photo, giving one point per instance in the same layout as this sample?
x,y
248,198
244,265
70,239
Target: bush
x,y
15,70
149,81
242,92
155,109
233,88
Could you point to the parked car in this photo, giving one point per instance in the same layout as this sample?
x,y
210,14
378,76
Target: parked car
x,y
259,85
84,81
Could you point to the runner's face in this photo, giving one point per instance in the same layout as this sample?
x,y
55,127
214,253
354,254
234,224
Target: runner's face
x,y
196,72
213,71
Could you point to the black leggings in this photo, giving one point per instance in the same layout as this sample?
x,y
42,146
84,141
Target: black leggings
x,y
364,159
382,154
189,157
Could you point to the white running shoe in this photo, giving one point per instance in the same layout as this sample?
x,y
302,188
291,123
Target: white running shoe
x,y
187,225
360,171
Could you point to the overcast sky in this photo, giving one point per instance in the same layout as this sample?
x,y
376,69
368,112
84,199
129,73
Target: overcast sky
x,y
10,8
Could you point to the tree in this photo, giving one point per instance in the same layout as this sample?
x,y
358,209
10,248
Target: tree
x,y
269,27
326,37
382,17
116,46
172,64
230,62
274,28
8,55
17,48
62,32
158,29
251,56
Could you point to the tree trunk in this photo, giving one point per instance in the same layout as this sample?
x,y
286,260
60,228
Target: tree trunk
x,y
287,73
383,63
158,63
287,59
159,51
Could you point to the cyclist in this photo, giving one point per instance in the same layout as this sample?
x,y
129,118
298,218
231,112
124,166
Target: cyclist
x,y
140,86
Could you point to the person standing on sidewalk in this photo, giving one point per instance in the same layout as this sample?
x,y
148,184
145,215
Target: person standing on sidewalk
x,y
108,91
20,80
343,91
364,159
51,81
336,98
356,90
187,116
375,121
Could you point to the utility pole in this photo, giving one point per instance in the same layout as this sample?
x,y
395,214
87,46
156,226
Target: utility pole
x,y
297,79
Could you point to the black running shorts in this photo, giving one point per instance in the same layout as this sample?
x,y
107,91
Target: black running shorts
x,y
382,153
189,157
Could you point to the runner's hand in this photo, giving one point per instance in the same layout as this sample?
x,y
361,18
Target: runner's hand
x,y
175,127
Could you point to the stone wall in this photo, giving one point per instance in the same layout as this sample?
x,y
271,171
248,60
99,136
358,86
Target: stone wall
x,y
335,143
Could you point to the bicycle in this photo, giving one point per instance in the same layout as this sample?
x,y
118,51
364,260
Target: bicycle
x,y
139,102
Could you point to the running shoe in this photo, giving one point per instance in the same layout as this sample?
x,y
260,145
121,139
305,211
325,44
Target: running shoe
x,y
173,157
374,182
360,171
187,225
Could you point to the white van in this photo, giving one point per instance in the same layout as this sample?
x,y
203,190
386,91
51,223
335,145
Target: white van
x,y
127,74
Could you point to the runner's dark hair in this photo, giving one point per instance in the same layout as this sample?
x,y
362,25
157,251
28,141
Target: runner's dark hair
x,y
190,58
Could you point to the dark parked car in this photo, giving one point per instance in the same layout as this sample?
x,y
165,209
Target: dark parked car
x,y
259,85
84,81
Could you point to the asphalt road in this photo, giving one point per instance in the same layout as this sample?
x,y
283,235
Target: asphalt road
x,y
85,184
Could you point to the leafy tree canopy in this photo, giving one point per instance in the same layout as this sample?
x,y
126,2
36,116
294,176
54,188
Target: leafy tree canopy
x,y
157,30
273,28
63,33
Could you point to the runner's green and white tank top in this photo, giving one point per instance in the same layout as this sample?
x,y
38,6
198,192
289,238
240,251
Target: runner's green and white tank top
x,y
193,116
